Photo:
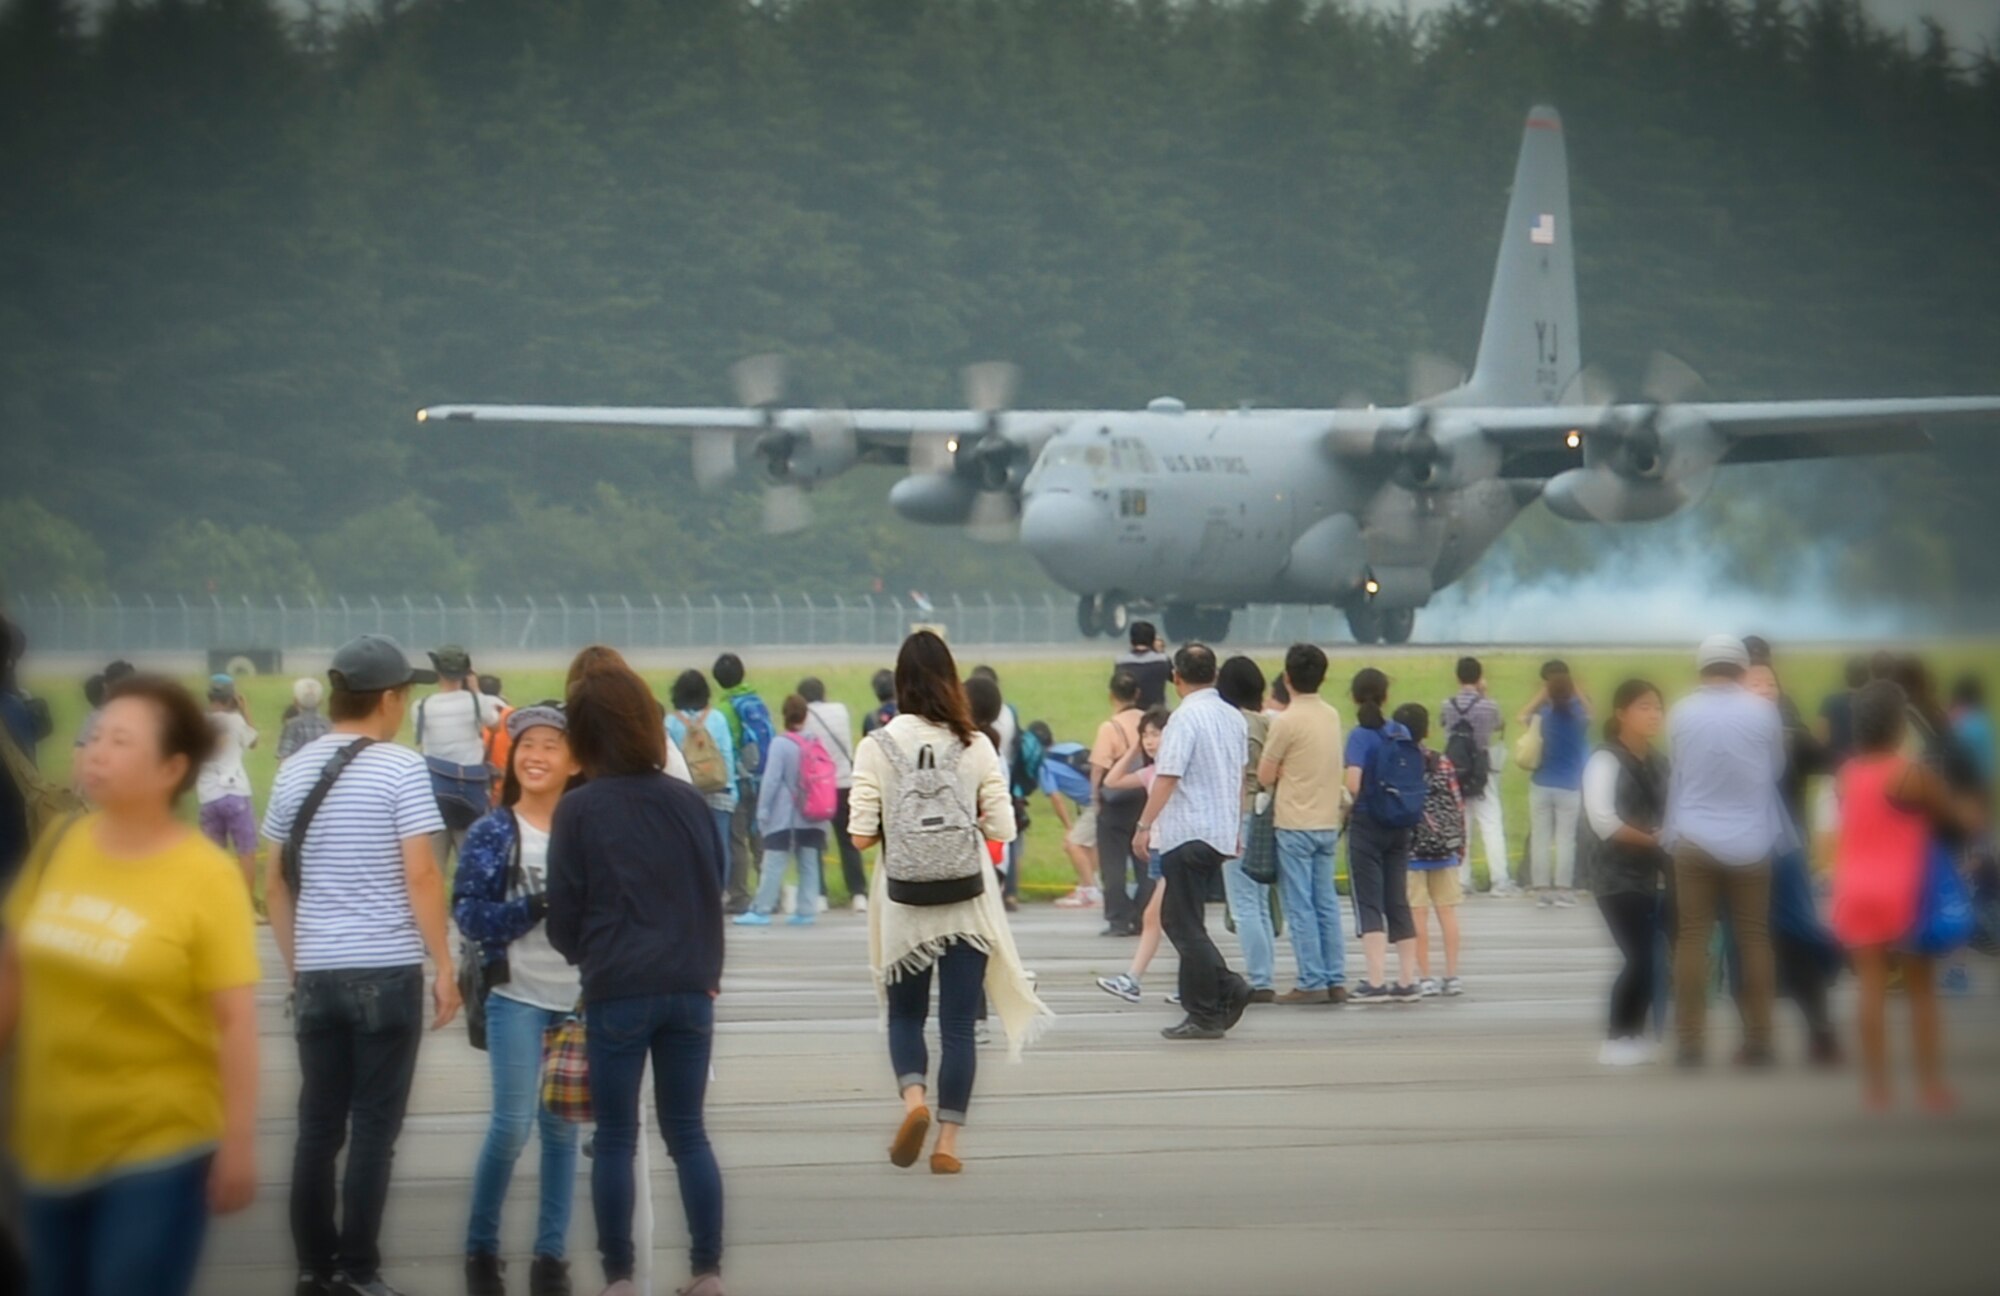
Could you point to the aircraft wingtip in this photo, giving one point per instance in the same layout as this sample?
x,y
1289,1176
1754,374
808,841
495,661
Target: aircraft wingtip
x,y
1544,117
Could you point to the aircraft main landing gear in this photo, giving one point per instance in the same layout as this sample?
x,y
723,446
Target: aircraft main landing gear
x,y
1183,622
1102,614
1369,624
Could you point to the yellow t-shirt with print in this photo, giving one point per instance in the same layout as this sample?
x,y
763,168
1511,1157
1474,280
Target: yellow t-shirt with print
x,y
116,1058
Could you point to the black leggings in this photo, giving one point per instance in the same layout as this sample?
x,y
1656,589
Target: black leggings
x,y
1633,919
1378,875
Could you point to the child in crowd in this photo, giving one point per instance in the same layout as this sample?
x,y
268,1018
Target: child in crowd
x,y
1136,770
1063,775
1435,846
1889,807
223,786
305,722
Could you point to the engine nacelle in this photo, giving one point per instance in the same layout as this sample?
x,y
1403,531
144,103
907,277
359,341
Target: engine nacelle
x,y
1640,472
1392,588
934,499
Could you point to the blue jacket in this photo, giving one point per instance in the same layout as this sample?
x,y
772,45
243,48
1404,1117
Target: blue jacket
x,y
481,902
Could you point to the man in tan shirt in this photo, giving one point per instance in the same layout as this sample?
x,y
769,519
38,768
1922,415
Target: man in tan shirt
x,y
1302,763
1118,811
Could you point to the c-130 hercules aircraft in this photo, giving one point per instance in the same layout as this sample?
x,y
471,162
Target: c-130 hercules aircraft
x,y
1373,510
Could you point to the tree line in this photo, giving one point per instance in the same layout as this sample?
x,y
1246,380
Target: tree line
x,y
240,247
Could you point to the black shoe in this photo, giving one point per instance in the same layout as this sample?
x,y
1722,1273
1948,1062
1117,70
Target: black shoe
x,y
1239,999
1010,904
1405,994
549,1277
1336,994
485,1276
1191,1029
1263,995
1119,929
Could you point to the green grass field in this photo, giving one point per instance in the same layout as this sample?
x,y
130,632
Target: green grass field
x,y
1070,695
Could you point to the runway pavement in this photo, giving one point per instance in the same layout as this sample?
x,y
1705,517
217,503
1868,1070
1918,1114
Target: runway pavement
x,y
1469,1145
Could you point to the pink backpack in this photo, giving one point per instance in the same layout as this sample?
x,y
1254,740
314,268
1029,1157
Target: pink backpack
x,y
819,785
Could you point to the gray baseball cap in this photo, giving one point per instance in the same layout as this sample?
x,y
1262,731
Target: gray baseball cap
x,y
372,663
1721,650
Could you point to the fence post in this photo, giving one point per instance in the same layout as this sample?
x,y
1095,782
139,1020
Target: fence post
x,y
659,623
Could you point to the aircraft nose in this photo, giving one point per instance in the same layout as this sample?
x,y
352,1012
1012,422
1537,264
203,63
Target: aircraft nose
x,y
1058,526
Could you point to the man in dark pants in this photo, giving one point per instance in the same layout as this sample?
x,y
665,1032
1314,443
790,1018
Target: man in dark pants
x,y
1193,817
354,918
1118,811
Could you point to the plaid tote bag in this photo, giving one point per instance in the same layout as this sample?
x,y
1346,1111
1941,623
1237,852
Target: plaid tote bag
x,y
566,1070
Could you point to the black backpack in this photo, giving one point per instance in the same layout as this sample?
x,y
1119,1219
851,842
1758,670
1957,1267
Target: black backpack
x,y
1467,757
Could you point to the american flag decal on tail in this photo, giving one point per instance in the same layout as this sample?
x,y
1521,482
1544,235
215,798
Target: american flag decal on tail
x,y
1543,231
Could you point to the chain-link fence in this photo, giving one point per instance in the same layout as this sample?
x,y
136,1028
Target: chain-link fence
x,y
111,625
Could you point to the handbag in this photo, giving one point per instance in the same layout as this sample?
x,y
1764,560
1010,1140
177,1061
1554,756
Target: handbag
x,y
1260,849
566,1070
1944,906
1528,747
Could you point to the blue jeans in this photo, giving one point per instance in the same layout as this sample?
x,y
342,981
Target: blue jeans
x,y
961,978
724,823
131,1233
1312,906
678,1032
514,1048
1249,906
772,880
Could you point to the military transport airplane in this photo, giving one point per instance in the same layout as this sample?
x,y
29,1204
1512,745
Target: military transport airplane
x,y
1373,510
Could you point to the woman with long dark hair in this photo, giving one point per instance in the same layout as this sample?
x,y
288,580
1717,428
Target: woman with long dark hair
x,y
635,901
930,767
500,901
1555,789
1624,804
1378,854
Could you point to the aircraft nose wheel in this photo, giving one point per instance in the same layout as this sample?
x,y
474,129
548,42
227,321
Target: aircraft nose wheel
x,y
1365,624
1089,616
1398,625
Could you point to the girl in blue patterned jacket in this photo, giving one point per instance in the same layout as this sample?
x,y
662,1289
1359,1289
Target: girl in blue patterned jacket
x,y
500,901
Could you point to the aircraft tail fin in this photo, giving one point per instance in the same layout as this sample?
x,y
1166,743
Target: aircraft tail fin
x,y
1529,351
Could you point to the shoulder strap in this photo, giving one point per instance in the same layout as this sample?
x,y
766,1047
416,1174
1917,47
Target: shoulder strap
x,y
335,766
517,877
46,851
827,729
899,760
420,718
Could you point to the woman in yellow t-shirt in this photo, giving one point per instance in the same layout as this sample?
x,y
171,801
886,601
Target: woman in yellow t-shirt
x,y
127,975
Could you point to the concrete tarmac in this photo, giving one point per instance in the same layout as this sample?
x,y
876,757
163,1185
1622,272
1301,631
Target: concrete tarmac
x,y
1470,1145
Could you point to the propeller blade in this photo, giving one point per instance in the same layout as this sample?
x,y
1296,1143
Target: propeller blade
x,y
995,517
831,433
1591,386
1432,375
786,510
990,384
715,460
1670,380
759,380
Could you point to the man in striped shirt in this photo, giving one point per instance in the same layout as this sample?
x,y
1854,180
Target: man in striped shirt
x,y
1193,818
364,905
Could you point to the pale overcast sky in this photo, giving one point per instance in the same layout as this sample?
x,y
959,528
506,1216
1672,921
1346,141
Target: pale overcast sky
x,y
1972,24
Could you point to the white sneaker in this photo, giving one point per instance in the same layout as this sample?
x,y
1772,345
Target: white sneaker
x,y
1623,1053
1506,889
1544,900
861,904
1074,900
1123,986
1093,896
1565,900
1428,988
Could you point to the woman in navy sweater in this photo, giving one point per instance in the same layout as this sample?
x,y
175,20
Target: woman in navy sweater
x,y
635,901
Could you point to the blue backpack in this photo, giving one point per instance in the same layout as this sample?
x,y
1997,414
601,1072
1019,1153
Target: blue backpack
x,y
755,718
1394,782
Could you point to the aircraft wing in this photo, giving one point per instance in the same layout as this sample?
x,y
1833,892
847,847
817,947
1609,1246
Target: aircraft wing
x,y
882,436
1535,441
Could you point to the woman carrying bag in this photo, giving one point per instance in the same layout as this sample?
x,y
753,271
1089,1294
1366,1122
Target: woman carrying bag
x,y
500,900
930,788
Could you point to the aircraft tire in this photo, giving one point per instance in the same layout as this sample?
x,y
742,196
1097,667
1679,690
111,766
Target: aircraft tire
x,y
1399,625
1089,616
1114,617
1213,624
1182,622
1365,624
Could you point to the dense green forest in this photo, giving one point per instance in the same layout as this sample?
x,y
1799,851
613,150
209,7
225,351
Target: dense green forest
x,y
238,248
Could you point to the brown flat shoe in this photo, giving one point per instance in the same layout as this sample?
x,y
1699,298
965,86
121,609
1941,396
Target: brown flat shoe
x,y
909,1143
1302,997
945,1163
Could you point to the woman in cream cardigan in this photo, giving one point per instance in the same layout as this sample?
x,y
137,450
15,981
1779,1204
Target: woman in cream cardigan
x,y
965,945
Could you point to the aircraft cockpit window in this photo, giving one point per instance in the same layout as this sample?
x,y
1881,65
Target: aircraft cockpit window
x,y
1132,503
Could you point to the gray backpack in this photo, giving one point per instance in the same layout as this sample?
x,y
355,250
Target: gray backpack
x,y
932,849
